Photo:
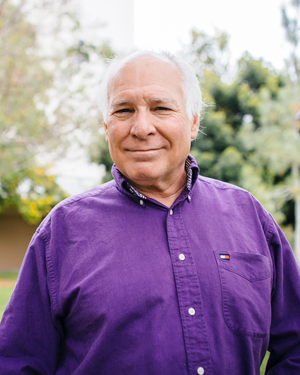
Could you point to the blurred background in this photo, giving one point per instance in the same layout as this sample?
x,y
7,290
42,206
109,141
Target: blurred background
x,y
52,57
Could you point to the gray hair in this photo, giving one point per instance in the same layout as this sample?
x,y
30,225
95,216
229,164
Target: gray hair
x,y
190,85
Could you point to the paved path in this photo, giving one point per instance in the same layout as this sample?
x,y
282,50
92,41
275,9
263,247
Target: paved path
x,y
4,283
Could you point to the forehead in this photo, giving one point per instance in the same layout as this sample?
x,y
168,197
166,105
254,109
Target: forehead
x,y
146,75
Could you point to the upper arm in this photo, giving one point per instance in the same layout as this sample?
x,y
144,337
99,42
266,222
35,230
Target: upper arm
x,y
285,328
30,336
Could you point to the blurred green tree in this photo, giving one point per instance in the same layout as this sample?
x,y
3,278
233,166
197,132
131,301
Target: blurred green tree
x,y
274,146
231,102
227,151
291,25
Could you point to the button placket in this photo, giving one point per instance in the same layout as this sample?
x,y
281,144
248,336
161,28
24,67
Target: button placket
x,y
189,294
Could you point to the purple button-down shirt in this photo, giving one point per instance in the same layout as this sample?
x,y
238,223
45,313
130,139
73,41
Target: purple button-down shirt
x,y
114,284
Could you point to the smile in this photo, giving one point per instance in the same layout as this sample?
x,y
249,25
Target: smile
x,y
149,150
144,150
141,154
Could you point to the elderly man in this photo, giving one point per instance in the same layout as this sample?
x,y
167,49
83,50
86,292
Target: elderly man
x,y
161,271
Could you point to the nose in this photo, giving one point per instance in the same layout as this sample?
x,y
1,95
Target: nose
x,y
142,125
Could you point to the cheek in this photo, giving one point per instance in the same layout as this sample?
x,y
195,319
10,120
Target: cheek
x,y
180,136
115,133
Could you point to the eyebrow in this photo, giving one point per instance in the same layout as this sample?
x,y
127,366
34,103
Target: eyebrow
x,y
152,101
163,100
122,102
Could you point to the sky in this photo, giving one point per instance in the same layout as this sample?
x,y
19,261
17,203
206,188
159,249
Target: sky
x,y
252,25
165,24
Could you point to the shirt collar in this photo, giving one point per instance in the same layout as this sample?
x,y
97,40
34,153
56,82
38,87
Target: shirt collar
x,y
191,167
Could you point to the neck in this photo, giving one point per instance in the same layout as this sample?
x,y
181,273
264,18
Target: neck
x,y
165,195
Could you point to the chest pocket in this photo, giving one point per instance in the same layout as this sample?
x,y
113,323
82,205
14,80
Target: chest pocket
x,y
246,292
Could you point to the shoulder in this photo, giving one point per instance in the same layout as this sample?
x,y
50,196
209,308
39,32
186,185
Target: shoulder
x,y
79,205
222,191
217,184
234,199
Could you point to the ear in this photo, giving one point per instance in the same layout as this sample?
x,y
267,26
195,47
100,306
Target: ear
x,y
106,131
194,126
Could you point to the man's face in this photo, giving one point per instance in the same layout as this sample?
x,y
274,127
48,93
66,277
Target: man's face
x,y
148,132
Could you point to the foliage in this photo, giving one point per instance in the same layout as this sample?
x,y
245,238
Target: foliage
x,y
208,53
241,140
47,80
99,153
32,192
290,23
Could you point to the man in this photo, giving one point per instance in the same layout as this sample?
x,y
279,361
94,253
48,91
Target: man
x,y
160,271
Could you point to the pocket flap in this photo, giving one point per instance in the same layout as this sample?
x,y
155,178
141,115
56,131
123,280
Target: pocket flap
x,y
250,266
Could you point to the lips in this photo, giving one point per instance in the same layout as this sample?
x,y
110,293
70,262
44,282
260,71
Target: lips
x,y
148,150
144,154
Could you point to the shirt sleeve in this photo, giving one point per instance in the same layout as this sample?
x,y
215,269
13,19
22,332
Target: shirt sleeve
x,y
30,334
284,343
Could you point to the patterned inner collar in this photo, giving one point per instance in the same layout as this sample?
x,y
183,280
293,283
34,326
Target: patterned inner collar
x,y
188,180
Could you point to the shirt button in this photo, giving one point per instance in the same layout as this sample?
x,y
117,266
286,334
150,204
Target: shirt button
x,y
192,311
141,202
189,198
171,212
200,370
181,256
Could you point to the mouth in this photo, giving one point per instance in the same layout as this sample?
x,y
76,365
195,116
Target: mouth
x,y
142,150
144,154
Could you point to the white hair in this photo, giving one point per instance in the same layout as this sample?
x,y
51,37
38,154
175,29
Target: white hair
x,y
190,85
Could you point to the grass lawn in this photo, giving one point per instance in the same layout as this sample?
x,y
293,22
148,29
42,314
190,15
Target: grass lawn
x,y
7,280
263,365
8,276
5,294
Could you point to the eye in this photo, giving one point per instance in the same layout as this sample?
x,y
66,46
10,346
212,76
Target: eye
x,y
162,109
124,110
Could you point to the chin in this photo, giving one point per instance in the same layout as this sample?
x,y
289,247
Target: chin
x,y
142,177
